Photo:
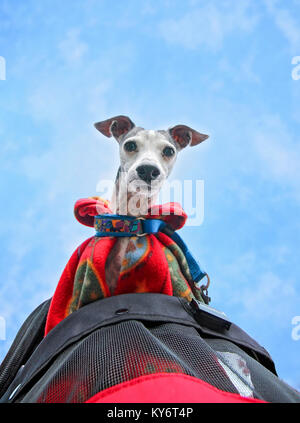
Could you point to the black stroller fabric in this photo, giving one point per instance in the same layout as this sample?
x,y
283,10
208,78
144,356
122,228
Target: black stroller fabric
x,y
121,338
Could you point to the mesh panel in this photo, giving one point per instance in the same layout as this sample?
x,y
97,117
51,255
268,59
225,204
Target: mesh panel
x,y
267,385
130,349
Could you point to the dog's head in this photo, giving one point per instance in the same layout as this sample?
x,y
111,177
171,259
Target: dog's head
x,y
147,156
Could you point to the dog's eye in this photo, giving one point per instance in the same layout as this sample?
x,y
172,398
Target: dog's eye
x,y
130,146
168,151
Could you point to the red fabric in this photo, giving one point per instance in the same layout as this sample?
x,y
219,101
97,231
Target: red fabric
x,y
167,388
86,208
149,272
63,291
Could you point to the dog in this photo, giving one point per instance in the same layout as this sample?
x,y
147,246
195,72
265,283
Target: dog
x,y
147,158
104,266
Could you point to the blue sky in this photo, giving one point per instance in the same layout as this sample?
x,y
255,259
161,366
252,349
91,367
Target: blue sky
x,y
221,67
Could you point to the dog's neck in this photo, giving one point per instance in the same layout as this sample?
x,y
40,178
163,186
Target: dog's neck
x,y
124,202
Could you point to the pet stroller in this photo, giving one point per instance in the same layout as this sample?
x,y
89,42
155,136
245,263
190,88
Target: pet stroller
x,y
139,348
160,344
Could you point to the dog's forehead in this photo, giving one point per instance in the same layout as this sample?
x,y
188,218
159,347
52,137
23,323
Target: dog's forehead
x,y
148,135
151,135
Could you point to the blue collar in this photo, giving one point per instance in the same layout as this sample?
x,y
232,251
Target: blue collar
x,y
118,225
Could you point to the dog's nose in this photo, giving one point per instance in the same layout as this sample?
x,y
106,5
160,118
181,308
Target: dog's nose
x,y
148,173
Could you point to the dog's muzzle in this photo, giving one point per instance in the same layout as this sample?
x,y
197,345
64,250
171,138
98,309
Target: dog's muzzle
x,y
148,173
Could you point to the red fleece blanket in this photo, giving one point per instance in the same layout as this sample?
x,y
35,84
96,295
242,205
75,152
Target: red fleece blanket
x,y
101,267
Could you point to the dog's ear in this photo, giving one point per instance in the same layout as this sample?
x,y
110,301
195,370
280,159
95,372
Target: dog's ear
x,y
184,135
116,126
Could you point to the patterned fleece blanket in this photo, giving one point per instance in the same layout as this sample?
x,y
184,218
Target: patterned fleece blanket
x,y
105,266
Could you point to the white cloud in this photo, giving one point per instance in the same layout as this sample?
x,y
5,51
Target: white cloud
x,y
281,161
241,71
148,7
263,149
278,153
72,48
254,289
209,25
286,23
242,266
268,297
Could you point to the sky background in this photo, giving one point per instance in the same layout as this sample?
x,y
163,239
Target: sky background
x,y
223,68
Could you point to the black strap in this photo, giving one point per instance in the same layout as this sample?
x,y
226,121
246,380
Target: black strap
x,y
112,310
28,337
